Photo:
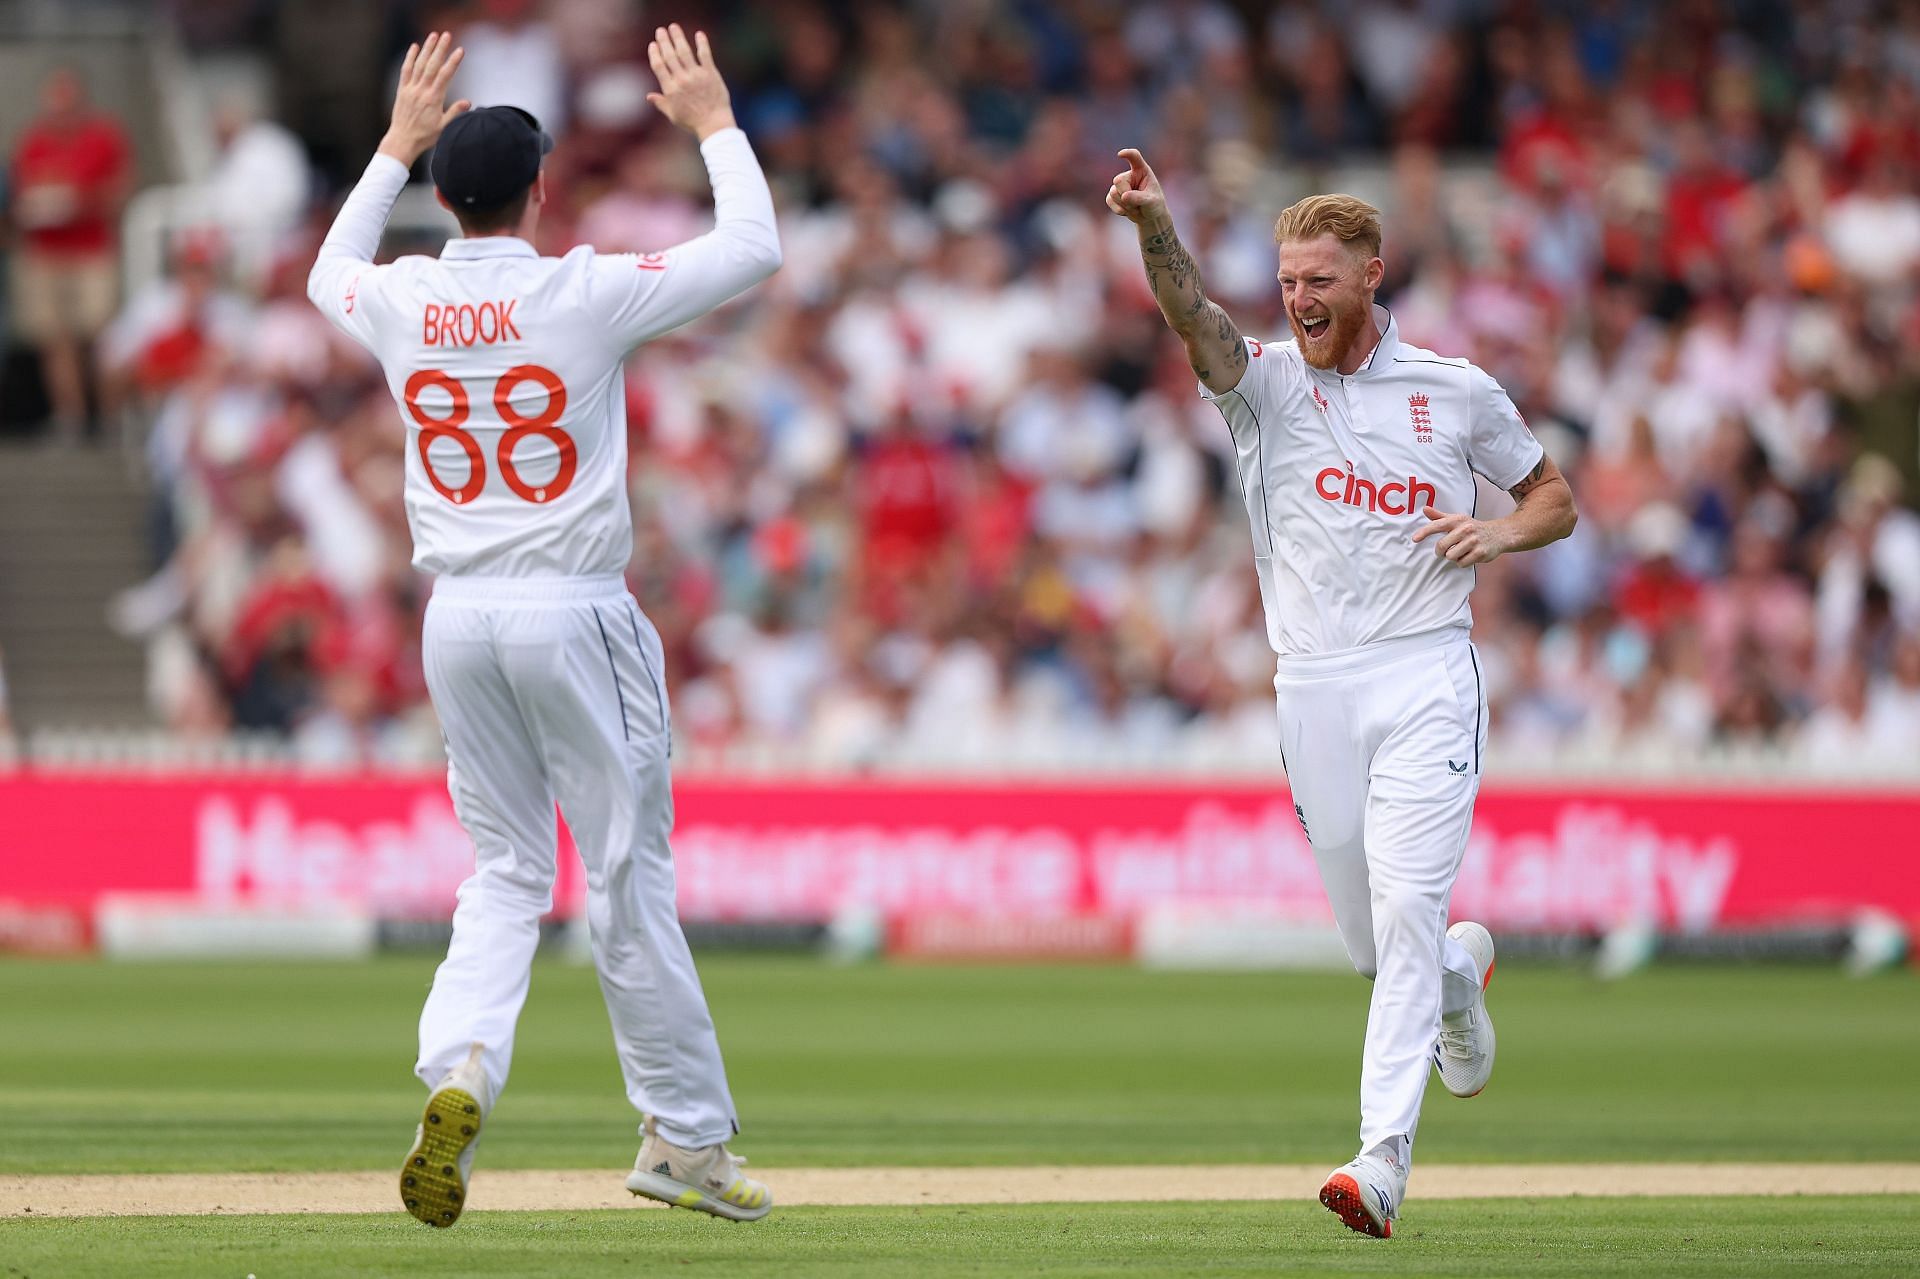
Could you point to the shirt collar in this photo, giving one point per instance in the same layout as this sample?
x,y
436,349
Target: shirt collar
x,y
489,246
1381,357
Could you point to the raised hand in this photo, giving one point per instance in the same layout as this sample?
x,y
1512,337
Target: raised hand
x,y
419,107
1136,194
692,94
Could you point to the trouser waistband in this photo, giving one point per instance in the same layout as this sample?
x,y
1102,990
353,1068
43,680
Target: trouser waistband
x,y
530,589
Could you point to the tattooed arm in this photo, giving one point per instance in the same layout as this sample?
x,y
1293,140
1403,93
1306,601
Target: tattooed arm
x,y
1545,507
1214,346
1544,513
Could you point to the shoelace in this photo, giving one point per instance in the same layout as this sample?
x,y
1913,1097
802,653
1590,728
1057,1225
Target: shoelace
x,y
1457,1041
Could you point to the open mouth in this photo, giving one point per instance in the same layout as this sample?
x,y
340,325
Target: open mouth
x,y
1315,326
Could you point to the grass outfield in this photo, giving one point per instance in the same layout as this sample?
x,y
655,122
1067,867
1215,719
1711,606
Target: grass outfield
x,y
1571,1237
191,1067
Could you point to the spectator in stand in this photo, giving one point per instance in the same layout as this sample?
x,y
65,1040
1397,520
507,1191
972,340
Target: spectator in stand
x,y
513,59
271,661
158,340
1655,594
650,207
71,171
260,185
1874,230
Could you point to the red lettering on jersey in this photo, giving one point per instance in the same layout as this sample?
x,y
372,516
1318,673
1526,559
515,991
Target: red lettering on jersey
x,y
464,324
652,262
1255,346
353,291
1393,498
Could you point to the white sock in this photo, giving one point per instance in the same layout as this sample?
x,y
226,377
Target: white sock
x,y
1459,979
1395,1150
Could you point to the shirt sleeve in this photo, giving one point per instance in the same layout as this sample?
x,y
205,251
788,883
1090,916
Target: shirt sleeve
x,y
344,282
1263,381
641,296
1500,445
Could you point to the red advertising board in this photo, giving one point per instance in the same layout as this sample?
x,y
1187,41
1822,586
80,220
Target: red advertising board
x,y
1555,858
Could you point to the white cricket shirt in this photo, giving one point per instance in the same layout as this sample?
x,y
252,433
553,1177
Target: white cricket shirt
x,y
506,367
1336,470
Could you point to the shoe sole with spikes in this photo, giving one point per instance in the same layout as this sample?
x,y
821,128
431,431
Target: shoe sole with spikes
x,y
1343,1198
431,1184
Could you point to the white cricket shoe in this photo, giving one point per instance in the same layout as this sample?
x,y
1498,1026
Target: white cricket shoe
x,y
1464,1051
433,1181
707,1180
1365,1194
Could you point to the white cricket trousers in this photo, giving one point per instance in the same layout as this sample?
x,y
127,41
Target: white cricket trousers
x,y
1382,748
552,689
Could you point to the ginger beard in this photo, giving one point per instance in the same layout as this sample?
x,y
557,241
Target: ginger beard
x,y
1326,344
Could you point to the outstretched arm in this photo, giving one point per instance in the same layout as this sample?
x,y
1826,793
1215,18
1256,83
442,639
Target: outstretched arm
x,y
419,114
1214,346
1543,513
648,296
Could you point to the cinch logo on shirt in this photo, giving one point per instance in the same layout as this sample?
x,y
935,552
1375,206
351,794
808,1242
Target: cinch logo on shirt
x,y
1382,498
467,324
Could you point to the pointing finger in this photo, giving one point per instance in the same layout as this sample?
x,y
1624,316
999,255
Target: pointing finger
x,y
1136,163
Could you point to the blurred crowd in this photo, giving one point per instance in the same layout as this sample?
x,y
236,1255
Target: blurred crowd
x,y
944,491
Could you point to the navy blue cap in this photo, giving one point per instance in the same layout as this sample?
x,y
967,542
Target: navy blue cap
x,y
487,156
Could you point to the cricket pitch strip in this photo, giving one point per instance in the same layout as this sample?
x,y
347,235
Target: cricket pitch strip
x,y
194,1194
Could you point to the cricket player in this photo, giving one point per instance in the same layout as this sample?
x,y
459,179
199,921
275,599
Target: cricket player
x,y
506,367
1356,454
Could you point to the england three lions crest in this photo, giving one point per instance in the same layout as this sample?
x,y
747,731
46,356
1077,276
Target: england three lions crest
x,y
1421,418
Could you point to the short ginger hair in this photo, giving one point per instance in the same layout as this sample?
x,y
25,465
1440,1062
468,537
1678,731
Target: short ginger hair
x,y
1348,219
